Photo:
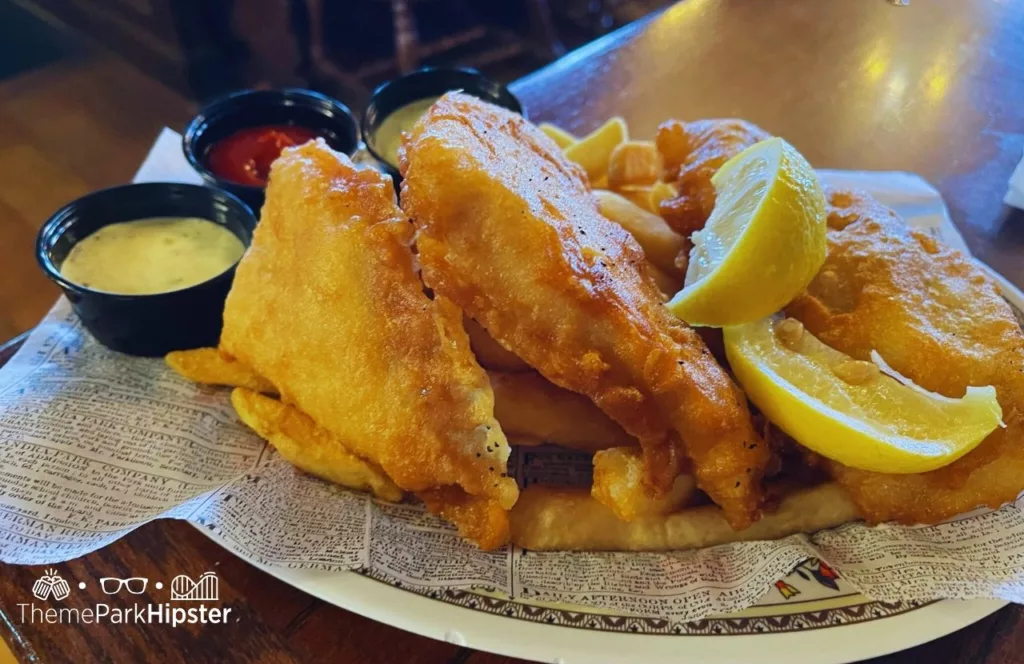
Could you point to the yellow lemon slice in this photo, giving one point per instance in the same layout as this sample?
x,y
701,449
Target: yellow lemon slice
x,y
861,414
764,241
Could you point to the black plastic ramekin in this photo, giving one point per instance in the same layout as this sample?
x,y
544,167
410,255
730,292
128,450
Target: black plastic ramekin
x,y
148,325
423,83
327,117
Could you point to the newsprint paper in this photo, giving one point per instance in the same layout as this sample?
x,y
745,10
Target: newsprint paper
x,y
94,444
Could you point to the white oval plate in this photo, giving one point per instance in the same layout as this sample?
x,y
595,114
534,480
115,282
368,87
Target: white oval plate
x,y
834,625
810,616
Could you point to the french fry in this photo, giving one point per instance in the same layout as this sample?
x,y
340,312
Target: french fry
x,y
309,447
594,151
648,197
210,367
660,243
489,353
561,137
661,191
569,519
526,404
634,163
618,484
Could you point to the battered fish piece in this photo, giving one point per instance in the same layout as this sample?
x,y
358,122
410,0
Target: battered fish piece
x,y
508,229
309,447
938,319
327,306
531,409
208,366
477,519
693,152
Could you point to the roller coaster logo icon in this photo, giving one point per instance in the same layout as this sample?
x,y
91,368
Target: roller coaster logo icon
x,y
204,589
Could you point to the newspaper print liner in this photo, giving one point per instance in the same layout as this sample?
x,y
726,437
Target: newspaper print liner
x,y
818,612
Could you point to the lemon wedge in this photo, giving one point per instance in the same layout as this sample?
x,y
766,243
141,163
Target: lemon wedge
x,y
861,414
764,241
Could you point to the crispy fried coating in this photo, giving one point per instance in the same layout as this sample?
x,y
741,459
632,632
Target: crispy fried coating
x,y
938,319
489,353
508,230
693,152
308,446
211,367
618,483
527,404
480,520
326,305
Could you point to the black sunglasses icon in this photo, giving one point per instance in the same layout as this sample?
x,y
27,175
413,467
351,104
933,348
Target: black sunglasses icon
x,y
135,585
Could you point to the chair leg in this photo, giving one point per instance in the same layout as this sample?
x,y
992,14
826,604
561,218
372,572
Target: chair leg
x,y
308,27
406,37
299,20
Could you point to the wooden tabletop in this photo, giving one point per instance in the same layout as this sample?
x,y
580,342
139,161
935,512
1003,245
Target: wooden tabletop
x,y
936,87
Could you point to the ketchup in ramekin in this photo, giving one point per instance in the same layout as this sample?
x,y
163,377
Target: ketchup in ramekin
x,y
246,155
233,140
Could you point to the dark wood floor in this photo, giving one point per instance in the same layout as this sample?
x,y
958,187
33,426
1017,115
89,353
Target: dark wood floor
x,y
67,129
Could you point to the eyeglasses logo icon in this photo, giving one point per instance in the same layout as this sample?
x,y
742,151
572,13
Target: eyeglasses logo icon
x,y
135,585
205,589
52,585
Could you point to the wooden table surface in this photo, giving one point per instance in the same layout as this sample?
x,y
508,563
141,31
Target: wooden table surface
x,y
936,87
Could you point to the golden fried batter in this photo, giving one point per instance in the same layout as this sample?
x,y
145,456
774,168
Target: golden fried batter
x,y
507,229
304,444
327,306
693,152
209,366
480,520
938,319
489,353
531,409
618,483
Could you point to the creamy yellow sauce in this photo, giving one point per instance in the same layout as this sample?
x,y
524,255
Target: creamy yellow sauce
x,y
388,137
156,255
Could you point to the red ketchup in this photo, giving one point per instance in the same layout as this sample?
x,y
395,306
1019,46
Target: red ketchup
x,y
245,156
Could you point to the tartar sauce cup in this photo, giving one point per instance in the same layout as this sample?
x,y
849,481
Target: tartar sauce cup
x,y
155,324
421,84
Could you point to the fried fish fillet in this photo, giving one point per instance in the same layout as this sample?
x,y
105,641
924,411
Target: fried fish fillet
x,y
618,481
210,367
508,229
693,152
533,410
310,447
327,306
938,319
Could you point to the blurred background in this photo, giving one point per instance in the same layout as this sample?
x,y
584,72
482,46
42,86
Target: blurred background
x,y
344,47
86,85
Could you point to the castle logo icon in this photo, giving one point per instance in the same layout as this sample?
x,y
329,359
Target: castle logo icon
x,y
204,589
50,585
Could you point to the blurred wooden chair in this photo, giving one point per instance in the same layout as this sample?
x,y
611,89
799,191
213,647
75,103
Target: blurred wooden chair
x,y
308,25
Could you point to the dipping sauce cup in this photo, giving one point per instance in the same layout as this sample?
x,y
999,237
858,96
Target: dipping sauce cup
x,y
429,82
152,324
294,113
